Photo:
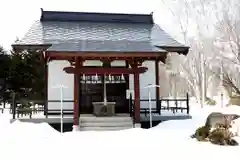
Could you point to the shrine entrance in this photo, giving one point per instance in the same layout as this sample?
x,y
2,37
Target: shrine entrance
x,y
91,90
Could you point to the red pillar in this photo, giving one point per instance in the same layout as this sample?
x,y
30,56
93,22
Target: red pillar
x,y
76,94
136,98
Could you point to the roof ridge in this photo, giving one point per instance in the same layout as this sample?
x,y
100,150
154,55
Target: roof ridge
x,y
111,13
96,17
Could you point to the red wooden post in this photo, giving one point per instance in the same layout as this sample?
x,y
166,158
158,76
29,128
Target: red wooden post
x,y
134,64
136,98
76,94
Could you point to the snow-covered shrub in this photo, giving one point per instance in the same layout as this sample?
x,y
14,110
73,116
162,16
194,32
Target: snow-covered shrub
x,y
210,102
234,100
201,133
218,129
222,136
219,135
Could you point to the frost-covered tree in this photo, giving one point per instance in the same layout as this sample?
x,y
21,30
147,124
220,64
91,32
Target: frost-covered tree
x,y
228,43
212,29
189,17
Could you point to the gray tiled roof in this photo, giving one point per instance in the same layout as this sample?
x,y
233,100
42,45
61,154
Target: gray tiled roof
x,y
98,36
106,45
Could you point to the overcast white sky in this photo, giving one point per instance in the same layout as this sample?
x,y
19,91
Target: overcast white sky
x,y
18,15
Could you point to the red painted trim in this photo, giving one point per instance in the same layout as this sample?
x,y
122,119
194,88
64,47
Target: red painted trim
x,y
112,71
136,98
76,94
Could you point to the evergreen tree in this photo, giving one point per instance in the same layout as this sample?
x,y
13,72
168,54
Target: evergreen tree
x,y
4,71
27,75
21,72
36,71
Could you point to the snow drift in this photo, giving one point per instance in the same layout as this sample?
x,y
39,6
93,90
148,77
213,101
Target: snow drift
x,y
169,140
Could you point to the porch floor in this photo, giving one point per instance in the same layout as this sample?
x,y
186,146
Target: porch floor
x,y
40,117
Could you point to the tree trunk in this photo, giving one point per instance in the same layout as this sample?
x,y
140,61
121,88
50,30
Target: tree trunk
x,y
205,85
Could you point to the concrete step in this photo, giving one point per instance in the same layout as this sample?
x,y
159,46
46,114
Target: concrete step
x,y
93,123
103,128
107,124
104,119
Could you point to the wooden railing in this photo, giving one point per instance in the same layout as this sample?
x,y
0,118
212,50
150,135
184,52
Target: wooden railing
x,y
173,105
17,108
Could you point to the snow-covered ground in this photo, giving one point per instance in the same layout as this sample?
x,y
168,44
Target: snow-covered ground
x,y
169,140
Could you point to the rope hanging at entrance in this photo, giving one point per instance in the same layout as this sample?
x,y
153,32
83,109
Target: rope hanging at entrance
x,y
102,71
109,78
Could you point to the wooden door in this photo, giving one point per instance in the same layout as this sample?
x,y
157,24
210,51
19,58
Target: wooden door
x,y
117,93
92,91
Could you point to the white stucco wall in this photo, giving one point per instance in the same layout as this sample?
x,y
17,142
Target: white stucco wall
x,y
99,63
92,63
56,76
145,79
118,63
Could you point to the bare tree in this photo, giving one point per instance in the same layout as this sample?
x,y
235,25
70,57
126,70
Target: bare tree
x,y
187,13
216,36
228,42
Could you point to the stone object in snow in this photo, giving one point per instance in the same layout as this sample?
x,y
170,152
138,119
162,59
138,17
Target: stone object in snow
x,y
216,119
